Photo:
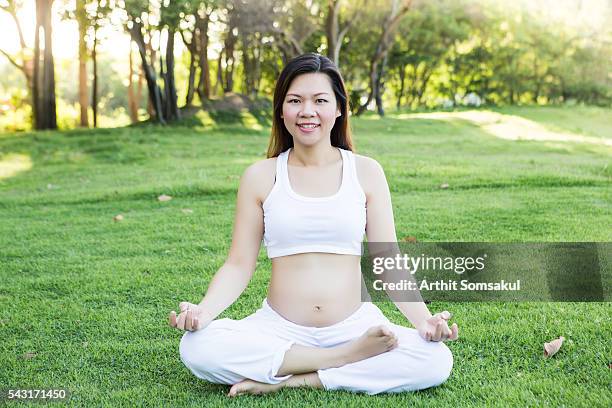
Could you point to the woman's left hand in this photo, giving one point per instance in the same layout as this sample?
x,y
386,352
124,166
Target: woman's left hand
x,y
436,328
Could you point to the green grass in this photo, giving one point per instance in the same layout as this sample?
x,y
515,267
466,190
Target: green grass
x,y
90,296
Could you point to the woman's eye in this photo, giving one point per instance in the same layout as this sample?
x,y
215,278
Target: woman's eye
x,y
297,100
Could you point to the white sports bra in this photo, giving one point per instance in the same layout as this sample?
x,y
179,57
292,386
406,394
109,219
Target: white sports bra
x,y
295,224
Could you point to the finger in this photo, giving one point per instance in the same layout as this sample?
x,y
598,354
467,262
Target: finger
x,y
454,332
172,319
183,306
196,323
385,330
447,331
445,315
188,320
180,322
438,333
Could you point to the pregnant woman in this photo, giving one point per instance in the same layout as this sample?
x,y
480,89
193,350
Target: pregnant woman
x,y
311,201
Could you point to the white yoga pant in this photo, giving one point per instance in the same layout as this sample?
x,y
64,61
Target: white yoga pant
x,y
228,351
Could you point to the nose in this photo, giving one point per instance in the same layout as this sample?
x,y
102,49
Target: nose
x,y
307,109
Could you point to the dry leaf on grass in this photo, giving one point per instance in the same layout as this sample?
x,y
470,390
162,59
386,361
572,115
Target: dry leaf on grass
x,y
187,211
118,217
28,355
164,197
444,185
410,239
550,349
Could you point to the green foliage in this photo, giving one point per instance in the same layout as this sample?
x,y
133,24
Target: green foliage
x,y
506,55
444,52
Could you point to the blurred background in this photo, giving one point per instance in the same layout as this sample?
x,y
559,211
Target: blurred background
x,y
110,63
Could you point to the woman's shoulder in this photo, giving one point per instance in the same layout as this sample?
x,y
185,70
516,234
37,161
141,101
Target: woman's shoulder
x,y
369,173
260,177
367,165
261,167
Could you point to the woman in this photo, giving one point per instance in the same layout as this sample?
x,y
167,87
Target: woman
x,y
312,201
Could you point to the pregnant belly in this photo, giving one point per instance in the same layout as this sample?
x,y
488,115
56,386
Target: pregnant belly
x,y
315,289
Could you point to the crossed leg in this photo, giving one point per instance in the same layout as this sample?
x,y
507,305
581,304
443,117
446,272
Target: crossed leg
x,y
304,362
253,361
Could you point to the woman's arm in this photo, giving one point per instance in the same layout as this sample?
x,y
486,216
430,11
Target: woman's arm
x,y
233,277
380,228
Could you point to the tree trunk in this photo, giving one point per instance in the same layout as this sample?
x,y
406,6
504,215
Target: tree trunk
x,y
36,113
402,74
246,63
219,82
383,46
152,55
139,88
229,47
44,76
378,89
172,111
423,86
335,35
256,67
132,104
154,91
81,15
191,47
331,29
94,58
202,33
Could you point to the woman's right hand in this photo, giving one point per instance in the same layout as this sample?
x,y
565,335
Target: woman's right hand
x,y
190,318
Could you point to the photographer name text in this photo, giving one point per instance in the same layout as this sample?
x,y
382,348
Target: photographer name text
x,y
447,285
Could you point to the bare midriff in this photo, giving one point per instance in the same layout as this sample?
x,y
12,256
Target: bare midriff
x,y
315,289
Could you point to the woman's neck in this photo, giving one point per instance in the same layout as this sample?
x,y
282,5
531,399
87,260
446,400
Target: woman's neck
x,y
318,155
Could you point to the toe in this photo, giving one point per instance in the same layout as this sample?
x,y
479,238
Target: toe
x,y
234,390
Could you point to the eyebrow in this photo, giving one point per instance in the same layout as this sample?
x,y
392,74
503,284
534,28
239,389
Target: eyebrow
x,y
320,93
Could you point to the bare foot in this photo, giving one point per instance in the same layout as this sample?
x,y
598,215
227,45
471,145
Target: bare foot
x,y
252,387
376,340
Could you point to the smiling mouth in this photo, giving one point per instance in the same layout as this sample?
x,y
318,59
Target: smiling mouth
x,y
308,126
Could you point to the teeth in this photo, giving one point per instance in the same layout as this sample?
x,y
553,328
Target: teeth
x,y
308,126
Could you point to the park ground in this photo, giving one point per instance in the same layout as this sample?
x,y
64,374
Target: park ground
x,y
84,299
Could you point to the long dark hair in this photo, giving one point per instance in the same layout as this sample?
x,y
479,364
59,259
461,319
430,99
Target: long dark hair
x,y
281,139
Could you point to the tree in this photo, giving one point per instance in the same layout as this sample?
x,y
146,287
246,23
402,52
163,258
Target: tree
x,y
294,21
378,59
336,30
83,21
227,60
24,62
43,89
426,35
171,16
138,14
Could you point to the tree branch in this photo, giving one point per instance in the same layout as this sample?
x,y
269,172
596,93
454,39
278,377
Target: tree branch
x,y
12,61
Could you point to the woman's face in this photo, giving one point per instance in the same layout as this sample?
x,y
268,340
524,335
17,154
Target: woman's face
x,y
310,108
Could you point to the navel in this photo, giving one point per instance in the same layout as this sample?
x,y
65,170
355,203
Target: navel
x,y
317,308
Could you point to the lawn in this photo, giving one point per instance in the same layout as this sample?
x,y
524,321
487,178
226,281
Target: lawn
x,y
84,299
